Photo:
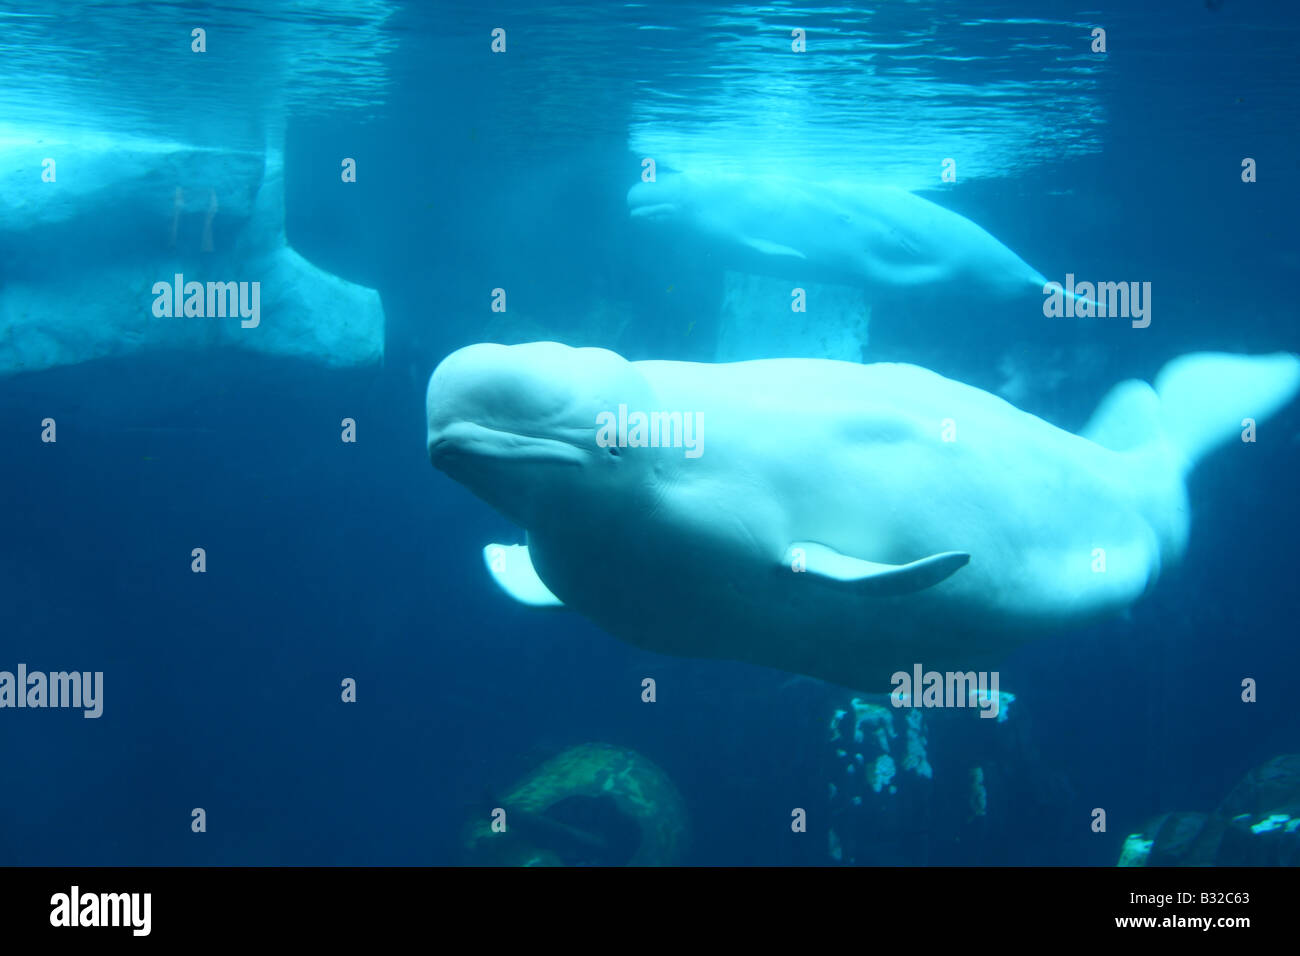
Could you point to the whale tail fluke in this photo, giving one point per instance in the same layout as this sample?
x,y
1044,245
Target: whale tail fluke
x,y
1128,418
1199,402
1209,398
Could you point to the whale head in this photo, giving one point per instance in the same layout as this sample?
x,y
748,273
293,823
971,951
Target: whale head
x,y
668,197
517,425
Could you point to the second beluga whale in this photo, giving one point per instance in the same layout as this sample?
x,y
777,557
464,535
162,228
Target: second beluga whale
x,y
880,237
830,519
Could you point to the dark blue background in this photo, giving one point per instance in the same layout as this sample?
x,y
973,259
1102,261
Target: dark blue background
x,y
328,560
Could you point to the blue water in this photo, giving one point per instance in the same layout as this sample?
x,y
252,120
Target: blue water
x,y
329,561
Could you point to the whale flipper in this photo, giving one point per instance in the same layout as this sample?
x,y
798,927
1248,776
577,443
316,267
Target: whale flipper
x,y
869,577
511,567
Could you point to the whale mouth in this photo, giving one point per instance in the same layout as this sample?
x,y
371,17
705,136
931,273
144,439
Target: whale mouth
x,y
467,441
654,211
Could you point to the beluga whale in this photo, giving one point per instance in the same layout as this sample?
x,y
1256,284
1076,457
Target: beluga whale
x,y
830,519
880,237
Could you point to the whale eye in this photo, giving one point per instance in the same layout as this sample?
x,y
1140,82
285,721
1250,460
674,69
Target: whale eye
x,y
613,450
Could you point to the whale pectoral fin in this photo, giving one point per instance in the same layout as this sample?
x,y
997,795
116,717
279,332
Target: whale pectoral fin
x,y
868,577
771,248
511,568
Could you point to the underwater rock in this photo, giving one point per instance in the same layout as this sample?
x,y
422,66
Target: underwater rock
x,y
756,320
1258,824
91,257
907,787
592,804
1172,837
